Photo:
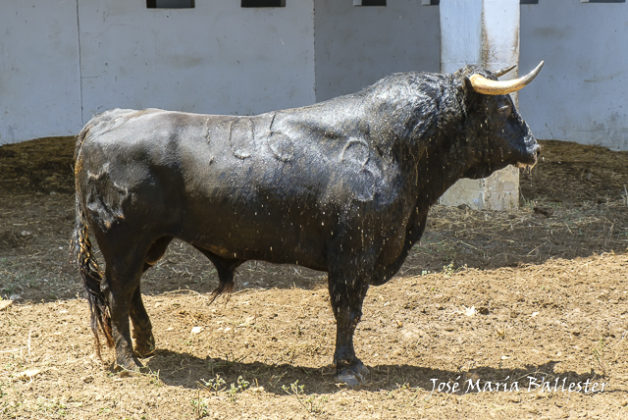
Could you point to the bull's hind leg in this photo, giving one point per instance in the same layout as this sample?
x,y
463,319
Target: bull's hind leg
x,y
124,268
142,329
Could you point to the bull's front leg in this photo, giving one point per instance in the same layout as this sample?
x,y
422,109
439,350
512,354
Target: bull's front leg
x,y
347,292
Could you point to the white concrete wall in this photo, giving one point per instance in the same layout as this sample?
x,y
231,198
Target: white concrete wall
x,y
215,58
39,71
356,46
484,32
219,57
582,92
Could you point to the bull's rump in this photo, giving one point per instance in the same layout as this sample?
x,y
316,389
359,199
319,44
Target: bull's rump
x,y
261,187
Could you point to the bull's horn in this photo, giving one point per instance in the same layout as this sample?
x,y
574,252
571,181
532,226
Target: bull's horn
x,y
486,86
503,71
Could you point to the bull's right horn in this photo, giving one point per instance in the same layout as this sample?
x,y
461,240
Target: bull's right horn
x,y
487,86
501,72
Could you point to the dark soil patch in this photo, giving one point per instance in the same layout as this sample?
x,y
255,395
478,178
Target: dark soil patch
x,y
576,174
42,165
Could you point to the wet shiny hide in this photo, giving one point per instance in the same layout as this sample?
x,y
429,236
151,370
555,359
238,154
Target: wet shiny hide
x,y
343,186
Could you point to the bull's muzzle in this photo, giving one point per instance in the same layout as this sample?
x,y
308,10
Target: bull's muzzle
x,y
534,153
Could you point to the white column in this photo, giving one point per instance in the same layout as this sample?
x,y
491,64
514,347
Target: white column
x,y
484,32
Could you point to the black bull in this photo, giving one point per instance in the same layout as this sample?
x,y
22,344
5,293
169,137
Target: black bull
x,y
342,186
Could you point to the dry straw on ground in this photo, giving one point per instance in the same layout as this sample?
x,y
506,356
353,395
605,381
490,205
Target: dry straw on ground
x,y
534,295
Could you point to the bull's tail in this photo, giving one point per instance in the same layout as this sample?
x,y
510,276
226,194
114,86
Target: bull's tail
x,y
88,266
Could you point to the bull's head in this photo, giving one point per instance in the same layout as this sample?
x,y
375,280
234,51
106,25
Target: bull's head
x,y
496,133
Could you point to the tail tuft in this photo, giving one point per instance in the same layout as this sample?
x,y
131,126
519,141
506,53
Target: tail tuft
x,y
90,271
223,287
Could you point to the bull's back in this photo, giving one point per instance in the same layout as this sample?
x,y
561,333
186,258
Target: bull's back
x,y
221,183
274,187
255,192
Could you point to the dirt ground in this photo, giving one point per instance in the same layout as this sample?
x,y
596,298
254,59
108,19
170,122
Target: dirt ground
x,y
520,314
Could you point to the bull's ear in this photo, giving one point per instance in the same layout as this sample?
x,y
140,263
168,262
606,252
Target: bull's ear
x,y
461,79
470,95
468,99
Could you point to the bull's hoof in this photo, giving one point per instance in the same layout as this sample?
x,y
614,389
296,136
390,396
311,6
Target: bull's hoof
x,y
128,365
353,376
145,348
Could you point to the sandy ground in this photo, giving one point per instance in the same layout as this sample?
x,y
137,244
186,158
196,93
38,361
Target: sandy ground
x,y
494,315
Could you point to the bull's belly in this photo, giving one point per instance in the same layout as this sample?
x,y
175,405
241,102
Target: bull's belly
x,y
275,243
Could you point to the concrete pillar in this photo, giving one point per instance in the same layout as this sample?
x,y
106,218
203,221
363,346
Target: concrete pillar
x,y
484,32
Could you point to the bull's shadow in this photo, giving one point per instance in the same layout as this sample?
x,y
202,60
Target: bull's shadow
x,y
188,371
445,245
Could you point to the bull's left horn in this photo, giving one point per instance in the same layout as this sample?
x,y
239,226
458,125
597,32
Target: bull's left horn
x,y
486,86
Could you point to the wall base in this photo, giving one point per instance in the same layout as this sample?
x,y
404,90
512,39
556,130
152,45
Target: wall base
x,y
500,191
